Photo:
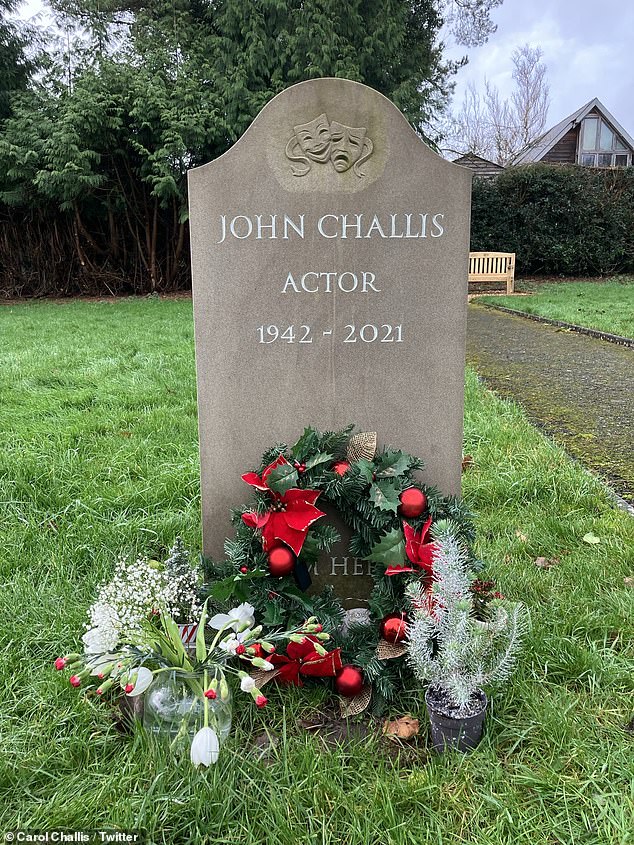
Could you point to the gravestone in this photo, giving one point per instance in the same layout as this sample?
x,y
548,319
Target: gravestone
x,y
329,258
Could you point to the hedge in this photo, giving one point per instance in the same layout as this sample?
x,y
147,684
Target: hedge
x,y
558,219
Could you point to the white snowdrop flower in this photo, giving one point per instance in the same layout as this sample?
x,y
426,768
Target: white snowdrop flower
x,y
205,748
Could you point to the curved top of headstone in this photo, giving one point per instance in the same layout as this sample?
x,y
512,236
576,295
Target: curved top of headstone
x,y
330,135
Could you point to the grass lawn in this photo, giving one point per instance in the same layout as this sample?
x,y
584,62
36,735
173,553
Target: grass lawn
x,y
99,455
607,306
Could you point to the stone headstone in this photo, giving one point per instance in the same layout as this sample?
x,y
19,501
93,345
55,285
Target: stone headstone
x,y
329,257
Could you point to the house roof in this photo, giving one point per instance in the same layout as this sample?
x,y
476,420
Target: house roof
x,y
471,159
538,148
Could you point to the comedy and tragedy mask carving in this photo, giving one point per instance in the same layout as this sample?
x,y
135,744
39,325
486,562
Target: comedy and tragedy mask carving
x,y
321,142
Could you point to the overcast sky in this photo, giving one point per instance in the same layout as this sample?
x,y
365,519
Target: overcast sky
x,y
588,50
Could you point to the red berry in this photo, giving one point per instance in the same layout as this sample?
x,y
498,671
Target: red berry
x,y
74,681
261,701
244,569
211,693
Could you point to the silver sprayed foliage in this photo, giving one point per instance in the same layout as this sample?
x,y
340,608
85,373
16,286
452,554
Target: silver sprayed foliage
x,y
450,649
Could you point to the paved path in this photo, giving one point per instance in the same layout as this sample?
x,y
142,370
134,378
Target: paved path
x,y
578,389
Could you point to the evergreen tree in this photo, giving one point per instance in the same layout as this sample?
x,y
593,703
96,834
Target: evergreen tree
x,y
151,88
15,67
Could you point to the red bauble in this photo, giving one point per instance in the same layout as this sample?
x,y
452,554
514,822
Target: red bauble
x,y
349,681
341,467
393,627
281,561
413,502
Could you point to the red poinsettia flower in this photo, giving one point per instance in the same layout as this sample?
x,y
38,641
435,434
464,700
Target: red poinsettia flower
x,y
418,548
302,659
291,515
254,479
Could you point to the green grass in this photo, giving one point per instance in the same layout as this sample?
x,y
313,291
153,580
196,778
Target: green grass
x,y
99,455
607,306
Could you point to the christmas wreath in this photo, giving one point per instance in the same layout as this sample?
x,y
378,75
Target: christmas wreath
x,y
395,521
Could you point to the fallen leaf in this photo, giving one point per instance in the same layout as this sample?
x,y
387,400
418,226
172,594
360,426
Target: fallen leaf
x,y
521,537
467,462
591,538
629,582
546,562
403,728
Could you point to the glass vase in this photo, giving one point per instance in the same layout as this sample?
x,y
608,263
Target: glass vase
x,y
175,709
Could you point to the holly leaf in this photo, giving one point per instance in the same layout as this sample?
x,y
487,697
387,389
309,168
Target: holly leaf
x,y
319,458
392,464
282,478
366,469
222,590
385,495
306,443
273,614
390,549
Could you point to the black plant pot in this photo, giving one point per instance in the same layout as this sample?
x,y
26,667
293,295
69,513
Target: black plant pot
x,y
449,732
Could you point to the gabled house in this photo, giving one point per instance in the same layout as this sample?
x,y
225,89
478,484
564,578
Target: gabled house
x,y
591,136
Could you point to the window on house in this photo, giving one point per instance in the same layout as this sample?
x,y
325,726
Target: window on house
x,y
599,145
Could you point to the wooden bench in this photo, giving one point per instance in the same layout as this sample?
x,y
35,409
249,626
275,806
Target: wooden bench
x,y
492,267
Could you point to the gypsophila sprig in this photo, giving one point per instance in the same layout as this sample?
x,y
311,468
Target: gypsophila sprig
x,y
136,591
